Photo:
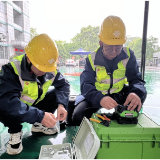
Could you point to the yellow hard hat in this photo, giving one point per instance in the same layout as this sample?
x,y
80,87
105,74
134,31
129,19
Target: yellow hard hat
x,y
113,31
43,53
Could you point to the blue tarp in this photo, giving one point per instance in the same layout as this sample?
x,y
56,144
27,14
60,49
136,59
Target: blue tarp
x,y
80,51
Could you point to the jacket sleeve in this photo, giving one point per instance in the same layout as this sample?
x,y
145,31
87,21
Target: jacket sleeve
x,y
88,89
62,89
11,105
134,77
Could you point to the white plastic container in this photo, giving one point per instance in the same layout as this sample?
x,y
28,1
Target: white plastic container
x,y
85,145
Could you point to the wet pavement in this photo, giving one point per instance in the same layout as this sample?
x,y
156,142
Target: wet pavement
x,y
151,106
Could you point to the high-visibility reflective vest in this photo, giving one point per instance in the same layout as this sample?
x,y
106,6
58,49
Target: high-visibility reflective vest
x,y
30,89
109,83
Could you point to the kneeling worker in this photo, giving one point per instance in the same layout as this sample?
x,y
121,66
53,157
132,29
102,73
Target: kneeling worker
x,y
24,94
103,81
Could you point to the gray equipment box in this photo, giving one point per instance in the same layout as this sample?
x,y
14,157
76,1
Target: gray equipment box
x,y
85,145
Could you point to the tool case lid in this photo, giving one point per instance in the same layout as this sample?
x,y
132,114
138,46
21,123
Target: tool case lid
x,y
86,142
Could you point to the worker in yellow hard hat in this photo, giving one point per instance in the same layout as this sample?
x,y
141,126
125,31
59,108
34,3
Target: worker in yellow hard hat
x,y
111,75
25,95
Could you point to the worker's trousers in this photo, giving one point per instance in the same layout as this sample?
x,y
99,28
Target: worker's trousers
x,y
48,104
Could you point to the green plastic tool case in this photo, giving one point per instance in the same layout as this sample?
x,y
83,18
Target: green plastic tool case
x,y
128,141
85,145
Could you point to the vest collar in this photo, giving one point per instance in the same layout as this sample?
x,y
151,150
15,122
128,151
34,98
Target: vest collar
x,y
28,76
25,73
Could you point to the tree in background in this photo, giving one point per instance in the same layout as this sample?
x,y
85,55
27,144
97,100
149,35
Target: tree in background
x,y
62,50
87,39
129,40
136,45
151,47
33,32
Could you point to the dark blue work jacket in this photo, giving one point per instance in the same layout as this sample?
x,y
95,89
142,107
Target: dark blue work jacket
x,y
10,92
88,76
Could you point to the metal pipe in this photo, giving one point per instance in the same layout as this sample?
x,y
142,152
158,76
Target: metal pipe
x,y
144,39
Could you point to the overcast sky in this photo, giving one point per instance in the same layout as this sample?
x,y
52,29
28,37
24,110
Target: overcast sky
x,y
63,19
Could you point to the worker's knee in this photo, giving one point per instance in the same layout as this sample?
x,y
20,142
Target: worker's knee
x,y
87,112
78,112
77,118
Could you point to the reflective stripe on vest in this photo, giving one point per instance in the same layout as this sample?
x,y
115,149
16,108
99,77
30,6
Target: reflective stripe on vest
x,y
30,89
103,79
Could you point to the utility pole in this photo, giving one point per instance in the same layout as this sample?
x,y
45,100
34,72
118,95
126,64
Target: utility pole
x,y
144,38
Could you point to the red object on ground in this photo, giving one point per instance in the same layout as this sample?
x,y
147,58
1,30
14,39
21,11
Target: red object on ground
x,y
73,74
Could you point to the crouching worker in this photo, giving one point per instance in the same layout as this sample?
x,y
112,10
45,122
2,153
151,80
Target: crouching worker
x,y
24,94
111,75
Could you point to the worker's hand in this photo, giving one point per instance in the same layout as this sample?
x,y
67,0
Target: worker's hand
x,y
108,103
49,120
134,101
61,113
